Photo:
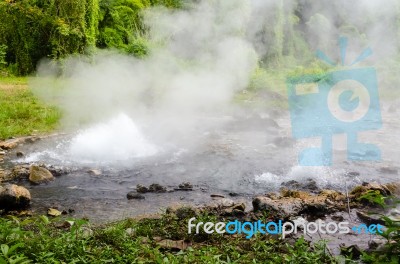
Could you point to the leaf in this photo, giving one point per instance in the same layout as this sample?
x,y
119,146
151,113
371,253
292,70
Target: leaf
x,y
4,249
2,260
44,219
20,260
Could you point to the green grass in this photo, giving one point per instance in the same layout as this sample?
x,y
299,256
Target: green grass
x,y
38,240
21,113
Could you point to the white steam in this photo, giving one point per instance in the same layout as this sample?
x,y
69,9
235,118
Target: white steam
x,y
118,138
200,57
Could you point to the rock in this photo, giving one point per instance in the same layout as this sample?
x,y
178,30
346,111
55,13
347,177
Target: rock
x,y
234,210
14,197
56,170
394,188
141,189
294,194
333,195
10,144
185,212
40,175
308,185
292,203
378,187
239,207
337,217
173,244
185,186
370,219
352,251
325,202
217,196
64,225
14,142
155,187
359,191
374,244
134,195
20,172
291,184
394,214
5,175
181,211
233,194
225,202
53,212
20,154
282,208
94,172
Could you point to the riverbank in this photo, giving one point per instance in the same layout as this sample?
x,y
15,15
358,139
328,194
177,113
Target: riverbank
x,y
21,113
164,238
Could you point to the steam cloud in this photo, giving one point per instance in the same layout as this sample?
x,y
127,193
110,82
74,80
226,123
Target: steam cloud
x,y
200,57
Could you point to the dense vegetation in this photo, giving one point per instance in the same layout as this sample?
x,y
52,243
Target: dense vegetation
x,y
35,29
164,240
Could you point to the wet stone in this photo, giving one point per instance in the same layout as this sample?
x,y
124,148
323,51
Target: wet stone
x,y
308,185
40,175
141,189
94,172
185,186
370,219
134,196
155,187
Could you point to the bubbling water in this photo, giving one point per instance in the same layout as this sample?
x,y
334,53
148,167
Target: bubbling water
x,y
114,140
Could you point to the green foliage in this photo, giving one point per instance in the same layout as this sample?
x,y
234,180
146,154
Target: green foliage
x,y
390,252
3,53
46,28
33,29
121,26
374,197
41,240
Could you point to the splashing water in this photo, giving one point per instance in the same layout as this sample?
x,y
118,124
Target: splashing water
x,y
117,139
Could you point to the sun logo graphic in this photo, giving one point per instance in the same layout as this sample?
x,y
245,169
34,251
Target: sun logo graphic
x,y
336,102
